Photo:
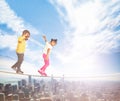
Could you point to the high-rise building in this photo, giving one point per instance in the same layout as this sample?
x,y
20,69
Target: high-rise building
x,y
24,83
30,80
8,89
19,84
14,88
1,87
2,97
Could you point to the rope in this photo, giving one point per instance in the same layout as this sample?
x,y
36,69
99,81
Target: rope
x,y
94,76
27,74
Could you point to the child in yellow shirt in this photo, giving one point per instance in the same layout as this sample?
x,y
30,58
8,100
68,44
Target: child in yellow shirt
x,y
20,50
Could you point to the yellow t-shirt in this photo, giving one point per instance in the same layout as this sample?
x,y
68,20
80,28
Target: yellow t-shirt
x,y
21,45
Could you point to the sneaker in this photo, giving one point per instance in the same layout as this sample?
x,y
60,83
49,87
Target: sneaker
x,y
44,74
14,68
19,72
41,72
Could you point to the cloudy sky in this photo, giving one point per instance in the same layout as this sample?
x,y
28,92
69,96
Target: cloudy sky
x,y
88,33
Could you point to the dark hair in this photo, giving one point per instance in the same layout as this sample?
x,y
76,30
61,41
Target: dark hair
x,y
54,40
25,31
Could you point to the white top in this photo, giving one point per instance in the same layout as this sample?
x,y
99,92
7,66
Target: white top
x,y
47,46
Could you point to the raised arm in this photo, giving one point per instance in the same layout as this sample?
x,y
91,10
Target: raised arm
x,y
44,37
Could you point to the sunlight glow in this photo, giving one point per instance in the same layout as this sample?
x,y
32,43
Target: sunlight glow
x,y
89,34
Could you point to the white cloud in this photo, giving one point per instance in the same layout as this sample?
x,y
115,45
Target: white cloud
x,y
17,25
26,67
88,32
90,26
10,18
14,22
8,41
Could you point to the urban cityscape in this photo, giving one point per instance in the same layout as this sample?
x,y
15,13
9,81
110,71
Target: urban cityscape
x,y
60,89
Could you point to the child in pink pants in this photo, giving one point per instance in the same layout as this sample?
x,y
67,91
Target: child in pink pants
x,y
46,53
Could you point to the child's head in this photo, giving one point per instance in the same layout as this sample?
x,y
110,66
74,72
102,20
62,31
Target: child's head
x,y
26,34
53,42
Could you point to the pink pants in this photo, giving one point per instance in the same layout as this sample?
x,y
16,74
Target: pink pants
x,y
46,63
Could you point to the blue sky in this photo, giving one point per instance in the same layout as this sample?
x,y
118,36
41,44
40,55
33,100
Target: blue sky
x,y
88,33
45,16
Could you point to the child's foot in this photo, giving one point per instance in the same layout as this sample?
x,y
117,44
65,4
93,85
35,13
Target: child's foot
x,y
41,72
21,72
13,68
44,74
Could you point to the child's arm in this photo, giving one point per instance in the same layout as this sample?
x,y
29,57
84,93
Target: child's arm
x,y
21,39
44,37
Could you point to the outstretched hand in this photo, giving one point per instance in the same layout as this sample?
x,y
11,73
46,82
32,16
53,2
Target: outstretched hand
x,y
44,37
